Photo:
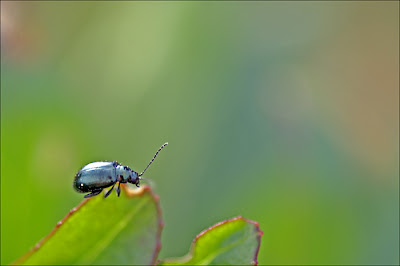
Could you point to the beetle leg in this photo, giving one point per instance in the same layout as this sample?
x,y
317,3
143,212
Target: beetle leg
x,y
94,193
108,192
118,189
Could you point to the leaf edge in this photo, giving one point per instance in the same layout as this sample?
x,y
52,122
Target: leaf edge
x,y
189,255
131,193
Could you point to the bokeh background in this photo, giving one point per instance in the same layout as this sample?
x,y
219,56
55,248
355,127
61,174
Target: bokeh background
x,y
286,113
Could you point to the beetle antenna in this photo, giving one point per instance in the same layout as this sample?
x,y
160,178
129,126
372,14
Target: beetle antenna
x,y
155,155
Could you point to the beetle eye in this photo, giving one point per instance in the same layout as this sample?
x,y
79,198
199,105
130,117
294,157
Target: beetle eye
x,y
81,185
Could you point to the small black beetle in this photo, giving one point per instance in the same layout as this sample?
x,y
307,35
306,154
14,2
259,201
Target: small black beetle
x,y
95,177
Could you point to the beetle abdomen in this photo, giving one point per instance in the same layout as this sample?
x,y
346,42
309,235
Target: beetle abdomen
x,y
95,176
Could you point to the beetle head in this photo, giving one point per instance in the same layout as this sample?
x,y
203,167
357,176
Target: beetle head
x,y
134,178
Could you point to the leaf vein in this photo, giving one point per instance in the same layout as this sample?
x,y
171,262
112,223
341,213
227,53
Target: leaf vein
x,y
108,238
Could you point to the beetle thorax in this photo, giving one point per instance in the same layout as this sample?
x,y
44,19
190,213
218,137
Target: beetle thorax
x,y
125,174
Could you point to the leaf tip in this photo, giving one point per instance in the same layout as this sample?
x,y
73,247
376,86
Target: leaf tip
x,y
259,233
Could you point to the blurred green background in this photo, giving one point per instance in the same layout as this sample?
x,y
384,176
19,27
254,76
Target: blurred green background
x,y
283,112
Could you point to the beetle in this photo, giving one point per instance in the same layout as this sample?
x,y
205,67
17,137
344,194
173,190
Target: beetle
x,y
94,177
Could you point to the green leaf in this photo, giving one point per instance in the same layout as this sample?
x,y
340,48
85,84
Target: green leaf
x,y
124,230
231,242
